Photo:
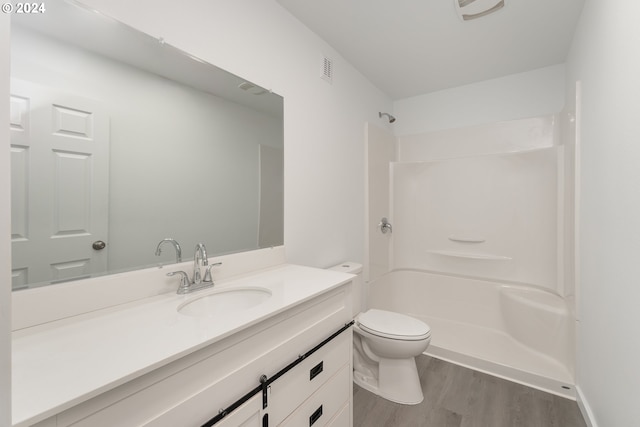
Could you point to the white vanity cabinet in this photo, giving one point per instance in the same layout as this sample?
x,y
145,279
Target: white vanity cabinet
x,y
192,389
316,389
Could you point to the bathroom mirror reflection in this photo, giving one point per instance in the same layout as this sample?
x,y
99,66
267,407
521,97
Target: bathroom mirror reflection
x,y
118,137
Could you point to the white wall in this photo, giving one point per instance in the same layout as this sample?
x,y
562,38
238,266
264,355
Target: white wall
x,y
604,57
533,93
5,232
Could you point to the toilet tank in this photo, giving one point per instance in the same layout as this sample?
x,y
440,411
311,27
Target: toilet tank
x,y
353,268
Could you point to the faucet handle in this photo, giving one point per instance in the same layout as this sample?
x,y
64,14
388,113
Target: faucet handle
x,y
207,274
185,283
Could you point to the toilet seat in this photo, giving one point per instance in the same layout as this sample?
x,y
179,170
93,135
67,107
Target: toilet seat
x,y
387,324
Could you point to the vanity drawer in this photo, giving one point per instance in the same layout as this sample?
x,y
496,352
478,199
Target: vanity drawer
x,y
343,418
294,387
320,409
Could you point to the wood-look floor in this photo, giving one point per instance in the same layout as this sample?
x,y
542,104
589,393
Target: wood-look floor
x,y
455,396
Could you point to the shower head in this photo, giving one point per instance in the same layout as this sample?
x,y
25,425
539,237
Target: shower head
x,y
389,116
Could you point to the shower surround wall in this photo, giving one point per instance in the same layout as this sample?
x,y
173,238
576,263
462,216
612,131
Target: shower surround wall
x,y
477,246
491,216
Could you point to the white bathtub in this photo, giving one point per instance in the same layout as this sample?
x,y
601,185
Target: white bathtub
x,y
520,333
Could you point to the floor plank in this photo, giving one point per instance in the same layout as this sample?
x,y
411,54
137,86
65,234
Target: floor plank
x,y
460,397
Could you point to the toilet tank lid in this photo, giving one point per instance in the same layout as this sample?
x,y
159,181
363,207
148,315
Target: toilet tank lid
x,y
393,324
348,267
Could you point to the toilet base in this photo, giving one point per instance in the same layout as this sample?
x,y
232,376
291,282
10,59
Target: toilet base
x,y
397,381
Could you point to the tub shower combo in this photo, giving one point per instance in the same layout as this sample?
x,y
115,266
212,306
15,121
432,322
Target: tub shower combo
x,y
475,245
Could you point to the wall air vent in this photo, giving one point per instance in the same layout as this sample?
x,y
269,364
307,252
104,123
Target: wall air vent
x,y
327,70
474,9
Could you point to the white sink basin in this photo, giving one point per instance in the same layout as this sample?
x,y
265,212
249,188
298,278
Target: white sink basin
x,y
226,301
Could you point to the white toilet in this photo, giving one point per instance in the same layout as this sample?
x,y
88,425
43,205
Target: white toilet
x,y
385,345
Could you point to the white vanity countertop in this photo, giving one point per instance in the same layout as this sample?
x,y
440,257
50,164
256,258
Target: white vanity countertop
x,y
63,363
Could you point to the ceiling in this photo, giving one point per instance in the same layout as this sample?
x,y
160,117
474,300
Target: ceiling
x,y
412,47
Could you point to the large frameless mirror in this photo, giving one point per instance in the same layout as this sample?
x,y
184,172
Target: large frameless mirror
x,y
119,141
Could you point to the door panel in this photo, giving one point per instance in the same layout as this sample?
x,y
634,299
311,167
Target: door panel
x,y
60,183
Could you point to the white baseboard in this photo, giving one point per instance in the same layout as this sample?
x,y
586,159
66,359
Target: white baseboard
x,y
585,409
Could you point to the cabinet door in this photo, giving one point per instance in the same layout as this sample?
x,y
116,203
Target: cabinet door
x,y
323,405
247,415
290,391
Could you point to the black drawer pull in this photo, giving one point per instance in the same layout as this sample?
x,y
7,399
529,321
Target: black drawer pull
x,y
316,370
315,416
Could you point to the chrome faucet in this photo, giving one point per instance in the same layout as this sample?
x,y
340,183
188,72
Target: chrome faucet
x,y
197,282
175,244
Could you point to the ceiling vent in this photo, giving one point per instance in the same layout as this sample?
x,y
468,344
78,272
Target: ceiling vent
x,y
474,9
252,89
327,70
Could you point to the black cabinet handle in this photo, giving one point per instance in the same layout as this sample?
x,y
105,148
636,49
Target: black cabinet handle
x,y
316,370
315,416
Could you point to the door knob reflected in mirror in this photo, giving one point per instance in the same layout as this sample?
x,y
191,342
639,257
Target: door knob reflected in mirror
x,y
385,226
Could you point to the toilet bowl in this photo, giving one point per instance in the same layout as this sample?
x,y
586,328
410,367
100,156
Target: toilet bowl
x,y
385,345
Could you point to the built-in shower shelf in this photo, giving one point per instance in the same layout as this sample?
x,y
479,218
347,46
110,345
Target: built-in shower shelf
x,y
469,255
466,239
